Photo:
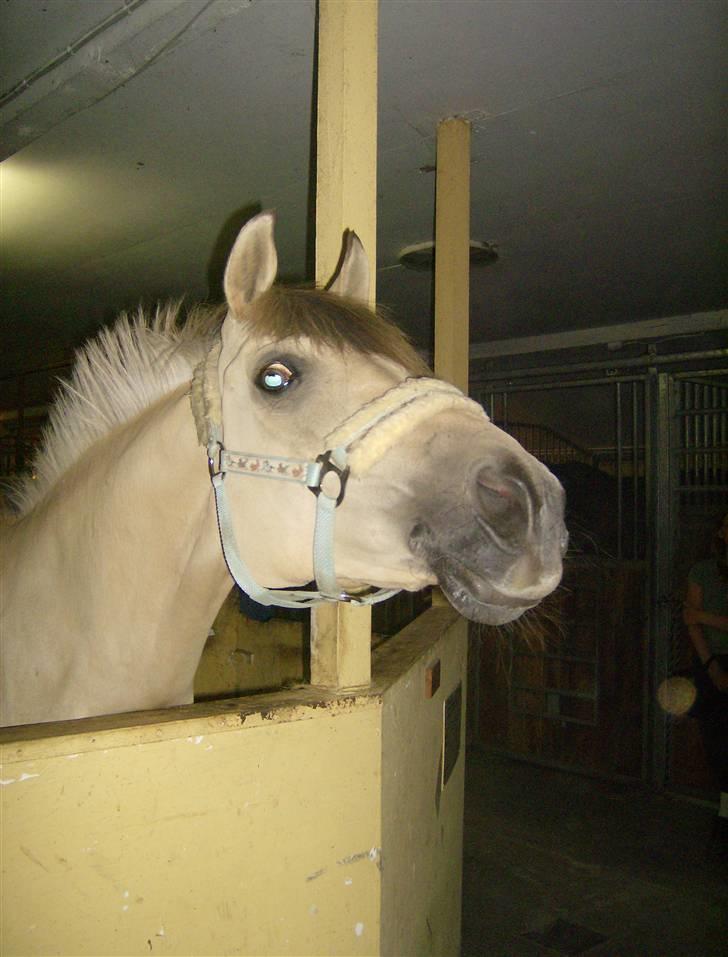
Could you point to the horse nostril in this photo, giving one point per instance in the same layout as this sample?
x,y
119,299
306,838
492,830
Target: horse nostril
x,y
502,503
490,490
494,493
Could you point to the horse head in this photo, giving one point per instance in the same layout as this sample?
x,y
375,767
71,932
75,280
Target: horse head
x,y
418,486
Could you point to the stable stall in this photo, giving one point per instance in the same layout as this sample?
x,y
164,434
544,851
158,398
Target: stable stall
x,y
320,818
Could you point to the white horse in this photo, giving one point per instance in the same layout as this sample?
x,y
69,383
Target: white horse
x,y
112,567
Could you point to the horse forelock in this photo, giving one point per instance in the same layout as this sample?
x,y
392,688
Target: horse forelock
x,y
331,321
117,375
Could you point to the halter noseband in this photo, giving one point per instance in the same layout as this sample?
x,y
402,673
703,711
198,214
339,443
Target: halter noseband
x,y
350,449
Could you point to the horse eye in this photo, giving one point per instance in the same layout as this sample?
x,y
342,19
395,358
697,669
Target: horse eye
x,y
275,377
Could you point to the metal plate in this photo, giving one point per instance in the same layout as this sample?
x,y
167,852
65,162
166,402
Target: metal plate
x,y
452,710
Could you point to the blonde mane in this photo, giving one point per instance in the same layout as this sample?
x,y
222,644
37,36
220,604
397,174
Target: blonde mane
x,y
141,358
115,376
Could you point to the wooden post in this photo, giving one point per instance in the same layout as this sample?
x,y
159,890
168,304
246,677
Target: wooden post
x,y
346,134
452,252
452,260
346,198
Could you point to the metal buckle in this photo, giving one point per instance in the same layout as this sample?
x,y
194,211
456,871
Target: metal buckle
x,y
214,468
360,597
328,466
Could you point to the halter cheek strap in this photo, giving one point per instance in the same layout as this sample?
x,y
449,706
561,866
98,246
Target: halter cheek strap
x,y
310,474
350,449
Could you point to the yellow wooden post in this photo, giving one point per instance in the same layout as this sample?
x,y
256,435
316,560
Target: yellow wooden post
x,y
452,252
346,198
452,260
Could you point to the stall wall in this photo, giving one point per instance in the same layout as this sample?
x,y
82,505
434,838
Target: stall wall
x,y
422,816
248,826
242,656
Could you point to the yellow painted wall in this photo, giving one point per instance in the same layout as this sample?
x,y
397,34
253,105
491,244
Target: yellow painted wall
x,y
274,824
245,655
422,822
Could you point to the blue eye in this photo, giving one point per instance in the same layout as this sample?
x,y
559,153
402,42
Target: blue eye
x,y
275,377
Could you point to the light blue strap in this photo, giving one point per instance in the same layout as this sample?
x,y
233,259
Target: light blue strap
x,y
285,598
237,567
323,547
220,461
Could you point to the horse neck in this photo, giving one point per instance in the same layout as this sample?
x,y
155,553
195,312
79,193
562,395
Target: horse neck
x,y
147,541
165,495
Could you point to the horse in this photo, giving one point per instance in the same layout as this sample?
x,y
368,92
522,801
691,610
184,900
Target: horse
x,y
289,435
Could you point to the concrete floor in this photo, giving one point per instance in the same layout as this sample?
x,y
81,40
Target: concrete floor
x,y
557,863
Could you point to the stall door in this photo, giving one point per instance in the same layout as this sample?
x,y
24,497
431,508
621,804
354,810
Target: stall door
x,y
695,409
570,689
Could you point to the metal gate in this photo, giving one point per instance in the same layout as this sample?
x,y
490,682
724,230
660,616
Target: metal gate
x,y
579,699
692,491
643,454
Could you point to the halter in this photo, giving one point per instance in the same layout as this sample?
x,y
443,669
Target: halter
x,y
352,448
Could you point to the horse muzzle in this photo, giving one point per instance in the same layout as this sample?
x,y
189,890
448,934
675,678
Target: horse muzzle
x,y
499,550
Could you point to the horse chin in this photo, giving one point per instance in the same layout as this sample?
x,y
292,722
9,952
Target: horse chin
x,y
474,598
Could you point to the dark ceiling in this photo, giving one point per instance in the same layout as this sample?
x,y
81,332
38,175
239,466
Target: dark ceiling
x,y
138,133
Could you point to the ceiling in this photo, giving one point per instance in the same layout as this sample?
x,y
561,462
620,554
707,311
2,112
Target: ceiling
x,y
138,134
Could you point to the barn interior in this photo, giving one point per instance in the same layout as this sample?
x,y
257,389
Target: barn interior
x,y
138,136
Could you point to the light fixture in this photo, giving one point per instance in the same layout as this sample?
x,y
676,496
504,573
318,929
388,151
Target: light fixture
x,y
421,256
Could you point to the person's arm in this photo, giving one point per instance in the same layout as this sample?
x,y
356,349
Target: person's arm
x,y
694,617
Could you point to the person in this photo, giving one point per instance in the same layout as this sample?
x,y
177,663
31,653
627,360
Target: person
x,y
705,613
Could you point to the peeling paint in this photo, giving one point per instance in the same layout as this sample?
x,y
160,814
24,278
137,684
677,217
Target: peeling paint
x,y
373,854
23,777
358,928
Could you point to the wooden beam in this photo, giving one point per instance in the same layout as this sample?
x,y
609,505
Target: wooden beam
x,y
452,260
691,324
346,136
452,252
346,198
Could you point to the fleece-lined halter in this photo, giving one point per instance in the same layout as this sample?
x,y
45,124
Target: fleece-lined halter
x,y
351,449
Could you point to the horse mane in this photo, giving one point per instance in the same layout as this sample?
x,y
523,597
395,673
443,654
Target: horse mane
x,y
141,358
115,376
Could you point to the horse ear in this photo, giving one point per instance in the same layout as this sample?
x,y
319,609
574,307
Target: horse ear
x,y
352,278
252,264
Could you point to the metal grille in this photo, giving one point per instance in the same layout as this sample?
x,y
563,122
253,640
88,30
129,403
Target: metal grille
x,y
698,479
606,481
619,453
691,489
655,462
701,419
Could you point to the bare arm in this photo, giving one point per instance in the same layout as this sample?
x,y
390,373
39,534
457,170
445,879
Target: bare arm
x,y
694,617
